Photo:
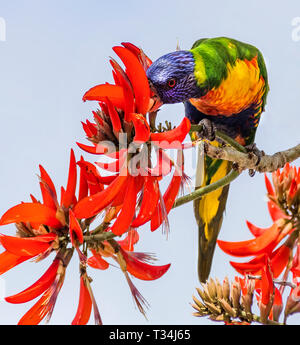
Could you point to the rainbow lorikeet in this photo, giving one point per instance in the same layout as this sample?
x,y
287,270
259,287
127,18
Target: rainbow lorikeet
x,y
223,82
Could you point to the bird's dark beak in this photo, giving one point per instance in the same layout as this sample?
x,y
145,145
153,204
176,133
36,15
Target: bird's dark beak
x,y
155,102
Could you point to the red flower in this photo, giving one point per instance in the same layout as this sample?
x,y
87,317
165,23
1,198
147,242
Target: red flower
x,y
269,260
122,120
129,198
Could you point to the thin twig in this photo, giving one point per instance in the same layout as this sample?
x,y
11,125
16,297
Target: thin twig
x,y
207,189
99,237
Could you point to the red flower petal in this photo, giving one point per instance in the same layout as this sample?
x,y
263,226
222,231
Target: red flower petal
x,y
255,246
114,116
74,229
96,261
113,166
69,195
44,306
266,284
92,128
84,306
83,184
90,206
275,212
107,180
149,201
172,138
126,215
252,267
31,212
46,179
269,186
137,77
129,106
255,230
163,166
130,240
169,199
143,58
141,127
142,270
48,197
293,189
280,259
9,261
27,246
101,92
96,149
38,287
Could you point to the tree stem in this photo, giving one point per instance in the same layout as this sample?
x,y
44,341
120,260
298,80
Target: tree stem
x,y
99,237
207,189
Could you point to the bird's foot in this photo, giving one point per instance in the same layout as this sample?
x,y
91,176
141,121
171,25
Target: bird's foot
x,y
208,130
252,148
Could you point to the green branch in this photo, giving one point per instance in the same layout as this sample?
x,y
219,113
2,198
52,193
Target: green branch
x,y
99,237
207,189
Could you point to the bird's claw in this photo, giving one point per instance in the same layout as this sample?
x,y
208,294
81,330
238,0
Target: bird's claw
x,y
252,148
208,130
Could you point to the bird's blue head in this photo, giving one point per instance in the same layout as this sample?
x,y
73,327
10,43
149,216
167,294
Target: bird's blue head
x,y
172,77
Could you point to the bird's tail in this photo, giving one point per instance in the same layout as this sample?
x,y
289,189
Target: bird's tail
x,y
209,210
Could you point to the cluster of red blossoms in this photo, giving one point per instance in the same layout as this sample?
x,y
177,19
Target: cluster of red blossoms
x,y
273,248
127,196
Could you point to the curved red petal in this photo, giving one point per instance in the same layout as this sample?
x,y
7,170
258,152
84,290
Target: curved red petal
x,y
31,212
255,230
84,306
112,166
142,270
130,240
269,186
163,166
247,267
69,194
255,246
9,260
114,116
27,246
126,215
46,178
174,137
137,77
144,59
275,212
74,229
141,127
149,201
280,259
100,92
91,205
266,284
169,199
96,261
48,197
96,149
38,287
83,184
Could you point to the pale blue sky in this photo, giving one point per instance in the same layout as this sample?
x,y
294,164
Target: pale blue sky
x,y
56,50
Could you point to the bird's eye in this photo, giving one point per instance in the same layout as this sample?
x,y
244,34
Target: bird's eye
x,y
172,82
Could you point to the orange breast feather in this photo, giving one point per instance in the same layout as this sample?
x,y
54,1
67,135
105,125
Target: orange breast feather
x,y
243,87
